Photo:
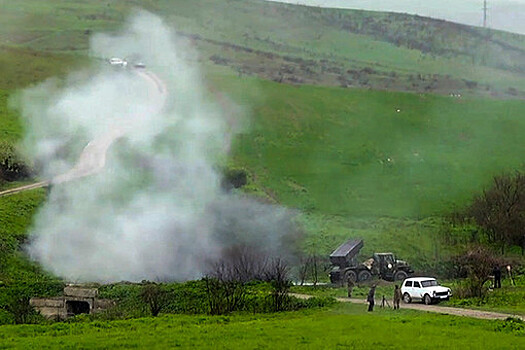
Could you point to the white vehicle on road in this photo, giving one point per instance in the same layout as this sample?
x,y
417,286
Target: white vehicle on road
x,y
425,289
115,61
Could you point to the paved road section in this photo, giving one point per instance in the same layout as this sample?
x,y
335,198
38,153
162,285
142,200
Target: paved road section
x,y
486,315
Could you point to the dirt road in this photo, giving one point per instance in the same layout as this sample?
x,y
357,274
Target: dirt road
x,y
93,157
487,315
24,188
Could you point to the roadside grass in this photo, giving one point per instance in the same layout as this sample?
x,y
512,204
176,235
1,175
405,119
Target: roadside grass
x,y
346,326
16,214
509,298
360,291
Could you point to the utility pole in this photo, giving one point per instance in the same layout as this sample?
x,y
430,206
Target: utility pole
x,y
485,8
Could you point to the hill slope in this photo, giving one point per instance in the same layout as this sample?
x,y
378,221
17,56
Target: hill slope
x,y
298,44
337,154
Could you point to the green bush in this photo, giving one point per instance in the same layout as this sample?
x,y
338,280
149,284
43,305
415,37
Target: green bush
x,y
512,325
14,300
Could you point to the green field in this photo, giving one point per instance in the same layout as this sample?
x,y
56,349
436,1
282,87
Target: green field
x,y
345,326
349,122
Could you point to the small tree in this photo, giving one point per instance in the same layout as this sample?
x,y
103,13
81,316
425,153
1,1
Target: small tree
x,y
154,297
12,167
20,308
227,278
277,275
500,211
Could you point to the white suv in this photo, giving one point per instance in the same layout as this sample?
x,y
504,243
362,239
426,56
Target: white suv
x,y
426,289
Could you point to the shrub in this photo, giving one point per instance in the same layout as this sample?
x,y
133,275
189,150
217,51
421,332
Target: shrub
x,y
154,297
477,263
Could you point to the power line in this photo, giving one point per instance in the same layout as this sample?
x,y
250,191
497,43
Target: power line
x,y
485,8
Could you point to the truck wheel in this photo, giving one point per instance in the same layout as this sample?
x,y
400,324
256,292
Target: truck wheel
x,y
350,275
400,276
427,300
406,298
364,276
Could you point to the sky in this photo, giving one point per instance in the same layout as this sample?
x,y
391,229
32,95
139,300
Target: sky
x,y
508,15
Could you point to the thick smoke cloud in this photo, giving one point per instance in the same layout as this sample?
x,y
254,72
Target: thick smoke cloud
x,y
155,210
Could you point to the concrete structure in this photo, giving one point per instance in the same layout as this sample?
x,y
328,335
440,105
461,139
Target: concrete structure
x,y
76,300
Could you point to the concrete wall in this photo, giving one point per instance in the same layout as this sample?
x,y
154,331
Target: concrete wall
x,y
56,308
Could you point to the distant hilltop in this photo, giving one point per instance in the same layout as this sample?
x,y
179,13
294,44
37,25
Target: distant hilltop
x,y
508,15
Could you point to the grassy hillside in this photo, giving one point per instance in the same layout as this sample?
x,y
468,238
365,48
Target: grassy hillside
x,y
347,326
297,43
357,162
16,213
371,153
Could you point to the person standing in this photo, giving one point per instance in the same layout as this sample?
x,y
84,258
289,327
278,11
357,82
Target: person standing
x,y
350,285
397,297
497,276
370,298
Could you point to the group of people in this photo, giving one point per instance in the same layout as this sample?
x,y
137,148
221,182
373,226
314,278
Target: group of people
x,y
398,295
371,295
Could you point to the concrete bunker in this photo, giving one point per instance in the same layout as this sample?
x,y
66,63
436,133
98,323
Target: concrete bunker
x,y
75,301
77,307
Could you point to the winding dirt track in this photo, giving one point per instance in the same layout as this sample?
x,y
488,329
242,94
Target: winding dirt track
x,y
486,315
93,157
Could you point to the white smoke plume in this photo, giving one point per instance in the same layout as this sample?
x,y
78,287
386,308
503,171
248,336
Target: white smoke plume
x,y
156,209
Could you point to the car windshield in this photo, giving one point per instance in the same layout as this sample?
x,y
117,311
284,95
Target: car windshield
x,y
429,283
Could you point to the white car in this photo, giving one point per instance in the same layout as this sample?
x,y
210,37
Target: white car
x,y
425,289
115,61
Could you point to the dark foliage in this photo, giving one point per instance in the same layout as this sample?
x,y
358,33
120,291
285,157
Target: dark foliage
x,y
477,263
500,211
154,297
277,274
14,299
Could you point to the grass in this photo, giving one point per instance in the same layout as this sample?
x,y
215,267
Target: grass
x,y
16,214
352,39
344,326
510,298
352,164
355,167
350,153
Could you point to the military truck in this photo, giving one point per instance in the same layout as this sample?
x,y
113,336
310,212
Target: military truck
x,y
382,265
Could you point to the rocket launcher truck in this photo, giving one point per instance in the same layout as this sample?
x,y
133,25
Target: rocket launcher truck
x,y
383,265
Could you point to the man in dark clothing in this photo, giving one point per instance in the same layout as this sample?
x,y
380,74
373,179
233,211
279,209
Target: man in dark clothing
x,y
497,276
397,296
370,298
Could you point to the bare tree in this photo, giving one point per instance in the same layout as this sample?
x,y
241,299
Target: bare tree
x,y
227,278
303,269
277,274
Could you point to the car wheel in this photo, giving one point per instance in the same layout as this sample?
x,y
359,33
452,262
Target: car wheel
x,y
364,276
350,275
427,300
406,298
400,276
